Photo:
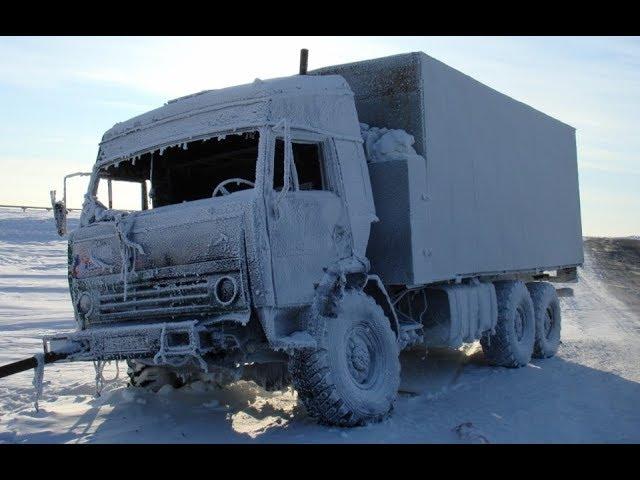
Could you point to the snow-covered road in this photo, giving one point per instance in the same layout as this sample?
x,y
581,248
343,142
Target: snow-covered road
x,y
589,393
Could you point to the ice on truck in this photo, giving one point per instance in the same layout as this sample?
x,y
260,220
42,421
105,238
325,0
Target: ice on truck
x,y
305,230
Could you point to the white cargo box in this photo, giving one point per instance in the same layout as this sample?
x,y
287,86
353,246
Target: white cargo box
x,y
498,192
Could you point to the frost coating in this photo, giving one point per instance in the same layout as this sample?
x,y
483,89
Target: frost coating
x,y
94,211
98,365
128,248
122,222
294,245
38,376
302,99
475,201
100,381
180,356
359,355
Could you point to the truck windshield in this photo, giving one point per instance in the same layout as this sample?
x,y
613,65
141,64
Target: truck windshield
x,y
190,171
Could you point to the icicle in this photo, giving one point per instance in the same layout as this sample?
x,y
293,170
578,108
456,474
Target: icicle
x,y
99,367
117,373
38,376
128,250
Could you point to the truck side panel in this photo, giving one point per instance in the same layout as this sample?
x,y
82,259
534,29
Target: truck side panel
x,y
501,184
501,178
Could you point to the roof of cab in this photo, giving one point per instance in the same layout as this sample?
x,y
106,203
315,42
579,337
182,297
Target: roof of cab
x,y
258,89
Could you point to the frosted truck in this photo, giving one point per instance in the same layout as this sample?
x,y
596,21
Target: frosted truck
x,y
305,230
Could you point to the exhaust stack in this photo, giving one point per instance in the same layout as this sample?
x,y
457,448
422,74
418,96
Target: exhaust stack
x,y
304,57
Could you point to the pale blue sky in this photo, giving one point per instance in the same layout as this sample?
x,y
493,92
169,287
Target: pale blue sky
x,y
58,95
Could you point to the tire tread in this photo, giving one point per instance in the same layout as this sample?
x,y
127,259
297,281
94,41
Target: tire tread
x,y
312,379
498,347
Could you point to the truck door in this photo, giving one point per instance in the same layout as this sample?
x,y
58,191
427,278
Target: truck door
x,y
307,220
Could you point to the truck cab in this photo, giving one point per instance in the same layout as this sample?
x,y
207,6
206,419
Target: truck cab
x,y
255,189
252,198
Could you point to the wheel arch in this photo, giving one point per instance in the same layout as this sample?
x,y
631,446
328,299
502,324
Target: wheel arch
x,y
376,290
351,274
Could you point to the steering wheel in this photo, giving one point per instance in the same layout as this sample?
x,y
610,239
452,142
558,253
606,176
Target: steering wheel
x,y
221,190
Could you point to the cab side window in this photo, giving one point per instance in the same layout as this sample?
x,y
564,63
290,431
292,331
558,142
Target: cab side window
x,y
309,165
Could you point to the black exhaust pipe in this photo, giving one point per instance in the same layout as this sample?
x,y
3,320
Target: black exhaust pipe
x,y
304,58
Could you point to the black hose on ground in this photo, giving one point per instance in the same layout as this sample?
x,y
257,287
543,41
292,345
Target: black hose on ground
x,y
29,363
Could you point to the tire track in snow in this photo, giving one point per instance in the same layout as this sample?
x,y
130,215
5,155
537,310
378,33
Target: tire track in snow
x,y
591,281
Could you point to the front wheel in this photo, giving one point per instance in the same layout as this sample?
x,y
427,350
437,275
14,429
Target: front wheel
x,y
352,377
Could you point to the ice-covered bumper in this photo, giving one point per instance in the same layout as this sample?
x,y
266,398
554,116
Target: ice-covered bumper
x,y
164,342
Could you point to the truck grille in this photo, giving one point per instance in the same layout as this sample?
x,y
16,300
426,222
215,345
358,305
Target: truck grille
x,y
158,296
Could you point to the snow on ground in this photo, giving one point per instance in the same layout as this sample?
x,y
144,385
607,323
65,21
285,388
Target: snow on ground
x,y
589,393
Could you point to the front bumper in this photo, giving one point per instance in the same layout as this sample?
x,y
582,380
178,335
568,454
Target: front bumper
x,y
166,343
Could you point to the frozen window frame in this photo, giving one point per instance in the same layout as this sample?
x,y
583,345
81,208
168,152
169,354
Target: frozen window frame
x,y
99,169
326,158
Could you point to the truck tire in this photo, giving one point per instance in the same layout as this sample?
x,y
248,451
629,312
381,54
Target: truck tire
x,y
511,344
548,319
151,378
352,377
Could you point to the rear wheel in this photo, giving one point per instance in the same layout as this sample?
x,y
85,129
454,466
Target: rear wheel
x,y
352,377
149,377
548,318
511,345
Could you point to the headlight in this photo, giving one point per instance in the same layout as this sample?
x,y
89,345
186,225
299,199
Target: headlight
x,y
225,290
85,303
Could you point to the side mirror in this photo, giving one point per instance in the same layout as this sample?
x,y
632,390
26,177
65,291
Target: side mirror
x,y
59,213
